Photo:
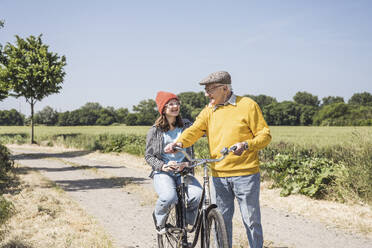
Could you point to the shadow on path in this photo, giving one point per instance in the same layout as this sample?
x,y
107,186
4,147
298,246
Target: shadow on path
x,y
98,183
72,154
70,168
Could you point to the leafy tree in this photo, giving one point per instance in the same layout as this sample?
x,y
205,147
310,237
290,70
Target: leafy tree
x,y
4,88
32,71
262,100
364,99
306,99
91,106
307,114
121,115
146,112
192,103
106,117
284,113
132,119
331,112
11,118
47,116
332,99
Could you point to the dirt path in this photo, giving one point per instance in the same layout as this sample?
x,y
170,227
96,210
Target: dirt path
x,y
118,193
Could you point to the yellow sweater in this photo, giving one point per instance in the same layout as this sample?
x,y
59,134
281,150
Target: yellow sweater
x,y
226,126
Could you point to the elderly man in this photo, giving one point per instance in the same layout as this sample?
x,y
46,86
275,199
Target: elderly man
x,y
232,120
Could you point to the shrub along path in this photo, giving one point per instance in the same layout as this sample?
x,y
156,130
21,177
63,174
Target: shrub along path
x,y
116,190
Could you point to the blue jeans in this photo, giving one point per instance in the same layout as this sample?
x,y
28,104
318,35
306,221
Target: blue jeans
x,y
165,185
246,189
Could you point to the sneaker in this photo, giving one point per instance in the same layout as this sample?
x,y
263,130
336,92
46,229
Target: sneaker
x,y
160,230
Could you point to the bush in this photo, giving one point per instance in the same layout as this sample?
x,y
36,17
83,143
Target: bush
x,y
6,164
6,210
305,175
340,172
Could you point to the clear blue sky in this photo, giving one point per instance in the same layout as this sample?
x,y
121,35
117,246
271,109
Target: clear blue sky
x,y
122,52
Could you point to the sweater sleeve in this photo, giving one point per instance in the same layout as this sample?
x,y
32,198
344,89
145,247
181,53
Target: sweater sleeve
x,y
259,128
150,157
195,131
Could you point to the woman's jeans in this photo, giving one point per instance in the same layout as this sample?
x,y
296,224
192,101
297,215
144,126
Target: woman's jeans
x,y
246,189
165,184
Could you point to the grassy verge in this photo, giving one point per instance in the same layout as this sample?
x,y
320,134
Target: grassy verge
x,y
44,216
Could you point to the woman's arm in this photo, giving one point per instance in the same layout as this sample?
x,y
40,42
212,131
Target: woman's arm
x,y
151,143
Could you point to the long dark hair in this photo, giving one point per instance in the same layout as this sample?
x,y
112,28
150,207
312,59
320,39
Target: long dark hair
x,y
163,124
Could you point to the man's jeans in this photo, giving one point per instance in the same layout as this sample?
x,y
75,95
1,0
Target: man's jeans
x,y
165,185
246,189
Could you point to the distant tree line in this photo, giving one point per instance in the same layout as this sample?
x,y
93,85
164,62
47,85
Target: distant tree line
x,y
305,109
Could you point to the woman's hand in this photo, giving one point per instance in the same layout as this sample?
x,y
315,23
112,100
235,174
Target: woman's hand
x,y
170,166
174,166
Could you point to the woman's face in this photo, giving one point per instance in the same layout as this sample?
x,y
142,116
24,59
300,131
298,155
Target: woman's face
x,y
172,108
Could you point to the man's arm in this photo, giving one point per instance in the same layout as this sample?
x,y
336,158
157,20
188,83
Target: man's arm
x,y
191,134
259,128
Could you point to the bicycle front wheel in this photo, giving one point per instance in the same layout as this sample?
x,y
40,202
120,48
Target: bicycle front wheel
x,y
215,233
173,236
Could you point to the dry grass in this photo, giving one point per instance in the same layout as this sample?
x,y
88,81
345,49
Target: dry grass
x,y
46,217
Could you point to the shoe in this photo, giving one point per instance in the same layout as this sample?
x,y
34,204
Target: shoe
x,y
160,230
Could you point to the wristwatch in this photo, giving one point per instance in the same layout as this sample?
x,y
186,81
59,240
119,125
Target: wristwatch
x,y
245,145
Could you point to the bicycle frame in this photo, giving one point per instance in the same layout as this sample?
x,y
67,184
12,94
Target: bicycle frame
x,y
205,205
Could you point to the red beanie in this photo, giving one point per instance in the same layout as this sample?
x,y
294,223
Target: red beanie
x,y
162,98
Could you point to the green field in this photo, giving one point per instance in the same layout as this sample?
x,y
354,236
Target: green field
x,y
301,135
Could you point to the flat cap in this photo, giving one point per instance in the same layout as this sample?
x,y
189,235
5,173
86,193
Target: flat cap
x,y
221,77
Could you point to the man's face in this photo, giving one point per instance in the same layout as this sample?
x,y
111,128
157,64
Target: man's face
x,y
215,93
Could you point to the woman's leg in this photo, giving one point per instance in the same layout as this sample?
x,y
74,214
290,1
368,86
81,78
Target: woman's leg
x,y
165,187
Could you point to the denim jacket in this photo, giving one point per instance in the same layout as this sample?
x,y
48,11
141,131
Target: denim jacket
x,y
155,147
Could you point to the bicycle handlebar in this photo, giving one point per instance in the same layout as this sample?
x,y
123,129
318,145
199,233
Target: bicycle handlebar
x,y
197,162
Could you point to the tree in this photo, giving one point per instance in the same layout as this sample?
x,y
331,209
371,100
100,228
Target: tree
x,y
146,112
11,118
191,104
332,99
47,116
4,88
329,113
306,99
262,100
364,99
32,71
284,113
121,115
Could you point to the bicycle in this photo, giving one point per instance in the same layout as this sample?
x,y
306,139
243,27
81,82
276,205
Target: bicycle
x,y
209,222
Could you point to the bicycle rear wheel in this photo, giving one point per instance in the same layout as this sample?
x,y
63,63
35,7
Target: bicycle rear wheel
x,y
215,233
173,237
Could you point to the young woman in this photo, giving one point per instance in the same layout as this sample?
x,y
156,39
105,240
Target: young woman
x,y
167,129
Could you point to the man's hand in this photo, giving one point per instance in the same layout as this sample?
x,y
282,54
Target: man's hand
x,y
170,147
240,148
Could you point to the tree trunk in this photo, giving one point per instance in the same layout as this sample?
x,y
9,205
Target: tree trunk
x,y
32,123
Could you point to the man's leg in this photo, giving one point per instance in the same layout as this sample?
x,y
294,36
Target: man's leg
x,y
165,187
247,192
225,202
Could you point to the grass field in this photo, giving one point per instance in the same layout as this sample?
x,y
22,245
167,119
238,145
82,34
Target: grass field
x,y
301,135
